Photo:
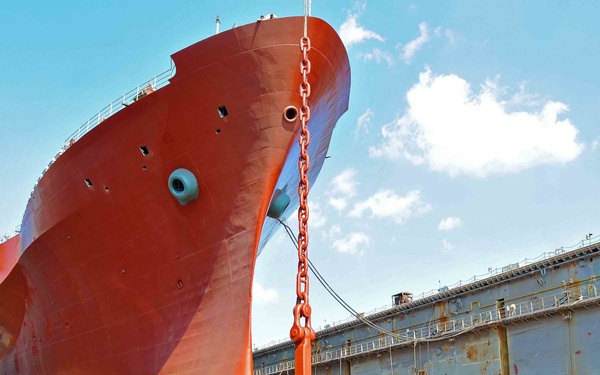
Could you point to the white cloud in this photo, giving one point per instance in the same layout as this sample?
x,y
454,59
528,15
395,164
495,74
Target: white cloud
x,y
378,56
338,203
450,35
457,131
333,232
411,48
317,219
447,246
343,186
352,243
260,295
351,32
344,183
387,204
364,121
449,223
521,99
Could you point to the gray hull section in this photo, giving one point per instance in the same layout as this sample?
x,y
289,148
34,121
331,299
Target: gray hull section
x,y
543,318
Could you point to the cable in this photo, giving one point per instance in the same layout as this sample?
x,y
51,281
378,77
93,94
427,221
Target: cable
x,y
360,317
316,273
330,290
347,307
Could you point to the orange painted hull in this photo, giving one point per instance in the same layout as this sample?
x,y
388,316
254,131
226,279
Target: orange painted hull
x,y
118,277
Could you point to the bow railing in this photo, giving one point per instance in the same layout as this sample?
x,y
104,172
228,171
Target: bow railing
x,y
113,107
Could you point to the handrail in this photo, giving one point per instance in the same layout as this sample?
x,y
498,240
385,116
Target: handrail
x,y
10,234
116,105
571,297
113,107
461,283
513,266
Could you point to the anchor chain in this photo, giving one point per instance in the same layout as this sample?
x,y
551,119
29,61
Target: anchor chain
x,y
303,334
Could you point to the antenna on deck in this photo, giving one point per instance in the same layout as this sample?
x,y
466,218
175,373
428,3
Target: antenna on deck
x,y
218,22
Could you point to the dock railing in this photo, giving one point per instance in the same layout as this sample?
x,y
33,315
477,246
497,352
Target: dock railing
x,y
492,272
525,262
569,299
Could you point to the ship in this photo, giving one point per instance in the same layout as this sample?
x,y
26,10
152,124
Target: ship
x,y
136,251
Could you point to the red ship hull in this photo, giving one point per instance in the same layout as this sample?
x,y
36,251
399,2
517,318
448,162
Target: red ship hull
x,y
119,277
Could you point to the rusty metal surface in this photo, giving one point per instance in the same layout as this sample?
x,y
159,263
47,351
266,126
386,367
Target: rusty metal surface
x,y
544,321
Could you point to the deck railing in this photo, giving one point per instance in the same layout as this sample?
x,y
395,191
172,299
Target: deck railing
x,y
115,106
10,234
570,298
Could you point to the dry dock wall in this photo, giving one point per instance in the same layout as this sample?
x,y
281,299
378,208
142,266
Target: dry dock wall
x,y
543,318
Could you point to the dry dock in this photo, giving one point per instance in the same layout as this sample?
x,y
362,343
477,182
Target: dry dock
x,y
542,318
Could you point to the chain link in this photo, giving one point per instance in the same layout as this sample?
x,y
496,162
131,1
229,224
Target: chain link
x,y
302,309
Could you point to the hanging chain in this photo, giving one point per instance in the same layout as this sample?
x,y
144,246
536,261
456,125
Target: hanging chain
x,y
302,335
302,306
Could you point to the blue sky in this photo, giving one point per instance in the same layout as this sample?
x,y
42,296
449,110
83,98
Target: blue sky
x,y
471,140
